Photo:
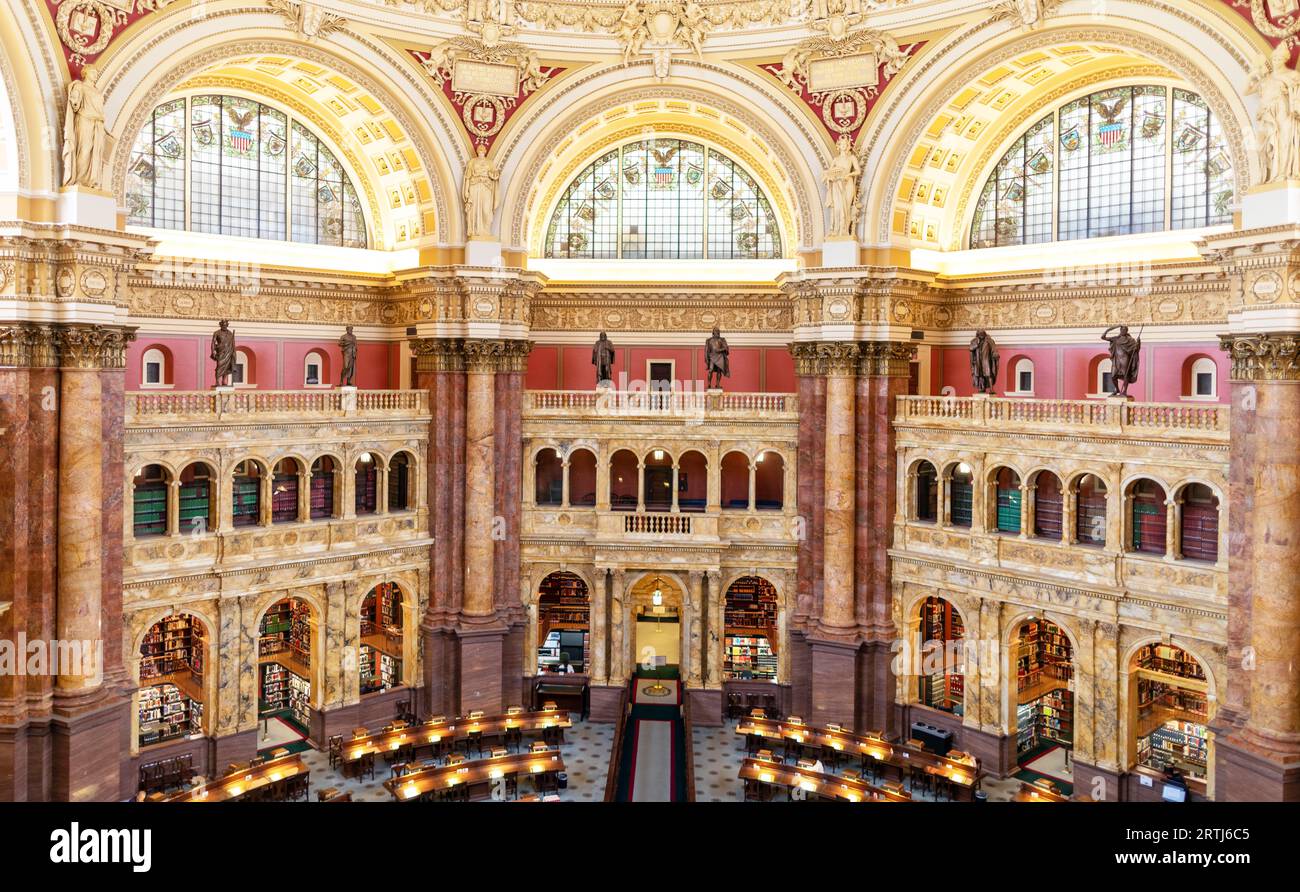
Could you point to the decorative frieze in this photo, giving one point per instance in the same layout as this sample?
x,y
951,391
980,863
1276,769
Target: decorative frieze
x,y
1263,357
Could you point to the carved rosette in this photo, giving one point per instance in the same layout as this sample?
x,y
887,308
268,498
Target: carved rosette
x,y
93,346
1263,357
438,354
886,359
28,346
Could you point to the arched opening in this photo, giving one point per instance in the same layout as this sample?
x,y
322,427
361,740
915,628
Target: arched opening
x,y
623,475
149,501
1009,501
961,496
943,664
322,488
246,494
367,483
582,478
284,657
245,374
382,629
1044,701
315,370
563,623
657,620
927,492
1090,511
658,481
156,368
400,481
1200,378
1170,713
196,494
172,659
284,491
1022,376
735,481
769,481
1048,506
1198,528
692,482
1148,517
1100,377
549,477
751,630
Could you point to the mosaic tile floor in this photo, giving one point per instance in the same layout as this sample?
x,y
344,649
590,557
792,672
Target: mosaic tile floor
x,y
719,751
586,761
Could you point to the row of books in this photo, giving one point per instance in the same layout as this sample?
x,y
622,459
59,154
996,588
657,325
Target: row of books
x,y
748,656
166,714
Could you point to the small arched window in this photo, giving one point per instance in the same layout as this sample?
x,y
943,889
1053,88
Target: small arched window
x,y
155,370
1103,379
1203,380
313,371
1022,375
243,376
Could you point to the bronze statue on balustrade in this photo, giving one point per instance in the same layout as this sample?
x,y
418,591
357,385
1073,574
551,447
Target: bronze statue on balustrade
x,y
223,353
348,344
717,359
1125,355
602,357
983,362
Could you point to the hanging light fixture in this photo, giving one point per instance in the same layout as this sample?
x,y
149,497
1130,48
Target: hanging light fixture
x,y
657,598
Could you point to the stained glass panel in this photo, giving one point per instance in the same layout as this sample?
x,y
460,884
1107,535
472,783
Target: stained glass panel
x,y
253,172
663,198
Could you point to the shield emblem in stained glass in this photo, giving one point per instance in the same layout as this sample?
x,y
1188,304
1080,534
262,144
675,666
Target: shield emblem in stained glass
x,y
1190,138
325,194
241,140
204,134
1152,125
632,173
740,212
274,144
1110,135
1041,162
304,166
663,177
586,211
1218,164
143,168
694,173
1071,140
606,189
719,190
1015,192
170,145
746,241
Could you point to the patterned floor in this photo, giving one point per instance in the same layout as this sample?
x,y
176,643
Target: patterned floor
x,y
719,752
586,761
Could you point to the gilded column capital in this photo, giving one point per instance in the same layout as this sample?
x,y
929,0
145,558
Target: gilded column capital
x,y
484,356
886,359
840,358
438,354
515,357
28,345
806,359
93,346
1263,357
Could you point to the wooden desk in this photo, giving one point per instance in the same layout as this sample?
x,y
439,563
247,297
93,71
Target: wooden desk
x,y
1036,792
450,730
960,776
469,775
814,783
239,784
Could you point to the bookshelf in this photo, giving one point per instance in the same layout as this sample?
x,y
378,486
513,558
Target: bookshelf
x,y
1170,660
749,619
1172,710
563,603
166,714
381,611
246,500
379,671
941,626
286,627
1043,657
172,645
1046,720
1181,745
749,657
300,700
196,497
149,509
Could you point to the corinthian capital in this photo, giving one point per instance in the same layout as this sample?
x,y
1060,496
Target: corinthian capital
x,y
93,346
1263,357
438,354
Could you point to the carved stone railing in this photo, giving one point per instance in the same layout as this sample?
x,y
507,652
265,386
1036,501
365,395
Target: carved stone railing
x,y
661,524
1088,417
169,407
654,403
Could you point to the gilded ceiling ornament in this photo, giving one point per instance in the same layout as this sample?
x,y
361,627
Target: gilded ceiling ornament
x,y
1279,19
1029,14
659,25
307,19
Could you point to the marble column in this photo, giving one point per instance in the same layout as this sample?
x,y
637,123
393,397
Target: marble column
x,y
618,629
838,607
716,629
599,599
1258,755
693,645
480,478
807,367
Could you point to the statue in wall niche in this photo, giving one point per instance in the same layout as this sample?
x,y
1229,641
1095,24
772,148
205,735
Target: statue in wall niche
x,y
223,353
480,194
717,359
1277,123
348,344
841,180
1125,353
983,362
86,142
602,357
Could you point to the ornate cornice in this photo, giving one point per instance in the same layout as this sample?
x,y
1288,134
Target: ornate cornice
x,y
1263,357
93,346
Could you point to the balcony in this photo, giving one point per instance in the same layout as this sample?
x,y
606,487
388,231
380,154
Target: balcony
x,y
200,406
593,405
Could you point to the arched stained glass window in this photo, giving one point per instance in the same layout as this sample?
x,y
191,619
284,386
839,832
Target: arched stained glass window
x,y
1115,162
663,198
252,171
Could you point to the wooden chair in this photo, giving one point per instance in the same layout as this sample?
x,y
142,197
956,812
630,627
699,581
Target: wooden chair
x,y
514,739
474,741
336,750
298,787
366,766
735,707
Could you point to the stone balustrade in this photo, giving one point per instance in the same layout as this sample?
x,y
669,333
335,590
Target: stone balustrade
x,y
659,404
170,407
1113,417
